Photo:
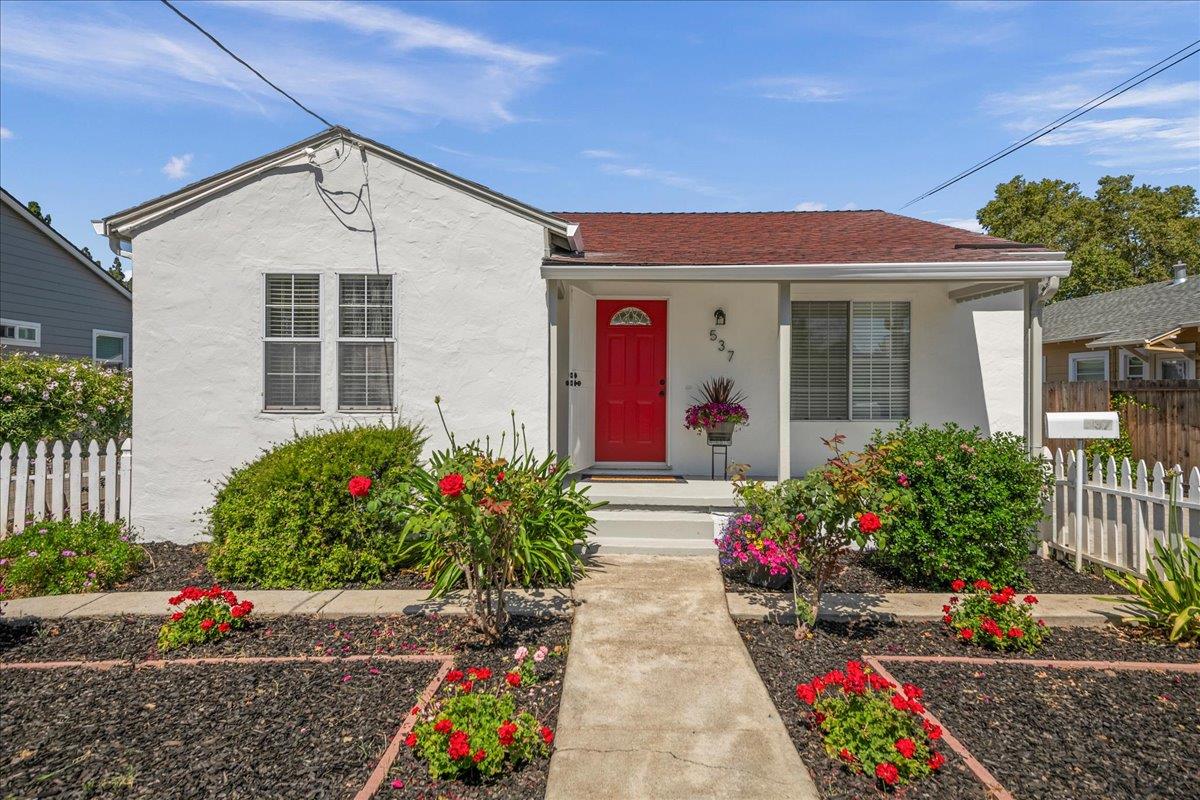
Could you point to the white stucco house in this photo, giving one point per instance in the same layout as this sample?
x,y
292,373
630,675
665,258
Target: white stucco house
x,y
338,279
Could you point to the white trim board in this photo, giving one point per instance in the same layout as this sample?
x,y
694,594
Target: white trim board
x,y
897,271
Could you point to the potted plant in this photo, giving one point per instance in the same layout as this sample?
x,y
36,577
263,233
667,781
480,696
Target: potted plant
x,y
718,411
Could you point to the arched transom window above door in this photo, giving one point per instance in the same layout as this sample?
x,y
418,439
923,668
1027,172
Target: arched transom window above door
x,y
630,315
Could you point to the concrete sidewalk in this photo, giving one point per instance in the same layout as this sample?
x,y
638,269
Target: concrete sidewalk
x,y
1059,610
329,603
661,698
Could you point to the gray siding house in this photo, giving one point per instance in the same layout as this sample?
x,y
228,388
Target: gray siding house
x,y
53,299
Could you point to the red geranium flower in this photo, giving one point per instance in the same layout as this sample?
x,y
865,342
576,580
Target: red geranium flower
x,y
480,673
868,522
459,745
933,731
411,740
206,624
512,679
983,585
1000,599
178,615
913,692
936,761
906,747
958,584
967,634
1030,599
480,755
1015,633
176,600
223,627
507,733
359,486
443,726
947,619
878,682
887,772
806,693
846,755
454,675
899,703
547,735
467,686
451,485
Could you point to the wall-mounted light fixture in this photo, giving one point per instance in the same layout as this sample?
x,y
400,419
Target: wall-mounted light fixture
x,y
719,316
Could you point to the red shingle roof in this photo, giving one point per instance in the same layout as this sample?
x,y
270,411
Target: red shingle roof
x,y
777,237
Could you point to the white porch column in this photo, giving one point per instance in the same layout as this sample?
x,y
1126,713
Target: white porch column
x,y
552,331
1033,366
785,381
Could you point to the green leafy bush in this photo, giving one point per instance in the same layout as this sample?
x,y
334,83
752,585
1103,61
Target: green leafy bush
x,y
290,518
1168,598
65,557
475,731
971,506
206,615
488,520
48,397
993,619
871,726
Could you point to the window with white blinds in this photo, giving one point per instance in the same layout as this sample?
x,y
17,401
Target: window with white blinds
x,y
850,360
366,348
292,343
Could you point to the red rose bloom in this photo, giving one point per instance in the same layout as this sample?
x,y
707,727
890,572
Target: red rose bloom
x,y
411,740
887,772
512,679
459,745
443,726
906,747
507,733
869,522
967,634
936,761
958,585
359,486
178,615
547,735
451,485
480,755
223,627
499,477
206,624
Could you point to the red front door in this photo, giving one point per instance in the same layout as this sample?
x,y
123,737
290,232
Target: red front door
x,y
631,380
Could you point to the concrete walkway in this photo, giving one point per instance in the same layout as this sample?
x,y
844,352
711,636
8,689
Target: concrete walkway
x,y
661,699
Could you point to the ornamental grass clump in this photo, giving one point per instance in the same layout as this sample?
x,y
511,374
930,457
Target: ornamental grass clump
x,y
871,726
65,557
473,730
1167,600
992,618
203,615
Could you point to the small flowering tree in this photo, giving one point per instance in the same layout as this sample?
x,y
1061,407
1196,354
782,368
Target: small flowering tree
x,y
872,726
807,525
994,619
50,397
202,615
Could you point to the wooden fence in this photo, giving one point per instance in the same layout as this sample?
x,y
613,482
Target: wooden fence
x,y
1168,431
59,481
1125,509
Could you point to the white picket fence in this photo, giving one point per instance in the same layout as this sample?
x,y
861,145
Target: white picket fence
x,y
1125,509
57,481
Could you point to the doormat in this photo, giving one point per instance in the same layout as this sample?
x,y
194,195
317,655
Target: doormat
x,y
634,479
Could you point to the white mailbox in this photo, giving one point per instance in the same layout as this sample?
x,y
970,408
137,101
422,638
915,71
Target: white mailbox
x,y
1082,425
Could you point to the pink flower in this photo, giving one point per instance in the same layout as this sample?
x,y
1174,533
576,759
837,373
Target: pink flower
x,y
522,651
541,654
397,784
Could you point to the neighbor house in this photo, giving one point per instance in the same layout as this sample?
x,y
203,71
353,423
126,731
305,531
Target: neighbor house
x,y
1142,333
53,298
338,280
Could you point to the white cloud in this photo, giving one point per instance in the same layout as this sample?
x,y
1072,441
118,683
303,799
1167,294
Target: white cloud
x,y
809,205
967,223
603,155
5,133
381,65
800,89
851,206
177,167
663,177
1065,98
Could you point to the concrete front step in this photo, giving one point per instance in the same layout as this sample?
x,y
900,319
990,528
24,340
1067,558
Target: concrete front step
x,y
650,546
696,495
653,523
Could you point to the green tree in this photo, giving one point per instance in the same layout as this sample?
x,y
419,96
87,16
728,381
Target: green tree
x,y
117,272
1124,236
35,208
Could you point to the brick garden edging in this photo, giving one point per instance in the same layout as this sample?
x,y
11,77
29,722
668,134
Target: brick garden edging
x,y
995,789
378,774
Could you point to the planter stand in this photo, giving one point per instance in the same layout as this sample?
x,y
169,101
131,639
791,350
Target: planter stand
x,y
712,462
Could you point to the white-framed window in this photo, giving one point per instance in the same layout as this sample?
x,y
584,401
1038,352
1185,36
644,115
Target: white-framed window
x,y
850,360
110,349
366,343
1177,368
292,342
21,334
1133,368
1089,366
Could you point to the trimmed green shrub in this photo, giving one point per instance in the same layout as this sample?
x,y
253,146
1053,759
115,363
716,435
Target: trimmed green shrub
x,y
65,557
971,506
290,519
47,397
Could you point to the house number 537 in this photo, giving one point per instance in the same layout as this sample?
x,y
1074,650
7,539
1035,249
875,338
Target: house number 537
x,y
712,337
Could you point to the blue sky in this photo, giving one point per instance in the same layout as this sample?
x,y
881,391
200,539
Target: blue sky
x,y
703,107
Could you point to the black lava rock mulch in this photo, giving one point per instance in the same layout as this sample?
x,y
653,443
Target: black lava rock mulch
x,y
236,731
133,639
1047,734
783,662
862,576
170,567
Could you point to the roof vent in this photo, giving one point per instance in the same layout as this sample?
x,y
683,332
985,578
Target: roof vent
x,y
1180,274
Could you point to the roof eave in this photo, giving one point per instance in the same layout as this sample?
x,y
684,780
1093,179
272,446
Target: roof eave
x,y
868,271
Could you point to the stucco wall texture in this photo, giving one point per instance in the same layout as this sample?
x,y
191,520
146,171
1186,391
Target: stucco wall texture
x,y
470,321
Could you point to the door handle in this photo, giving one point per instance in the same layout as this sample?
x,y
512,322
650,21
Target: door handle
x,y
662,381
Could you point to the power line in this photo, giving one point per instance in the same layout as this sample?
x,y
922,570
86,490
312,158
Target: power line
x,y
241,61
1070,116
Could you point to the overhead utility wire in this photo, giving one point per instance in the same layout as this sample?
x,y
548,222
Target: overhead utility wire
x,y
241,61
1079,111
